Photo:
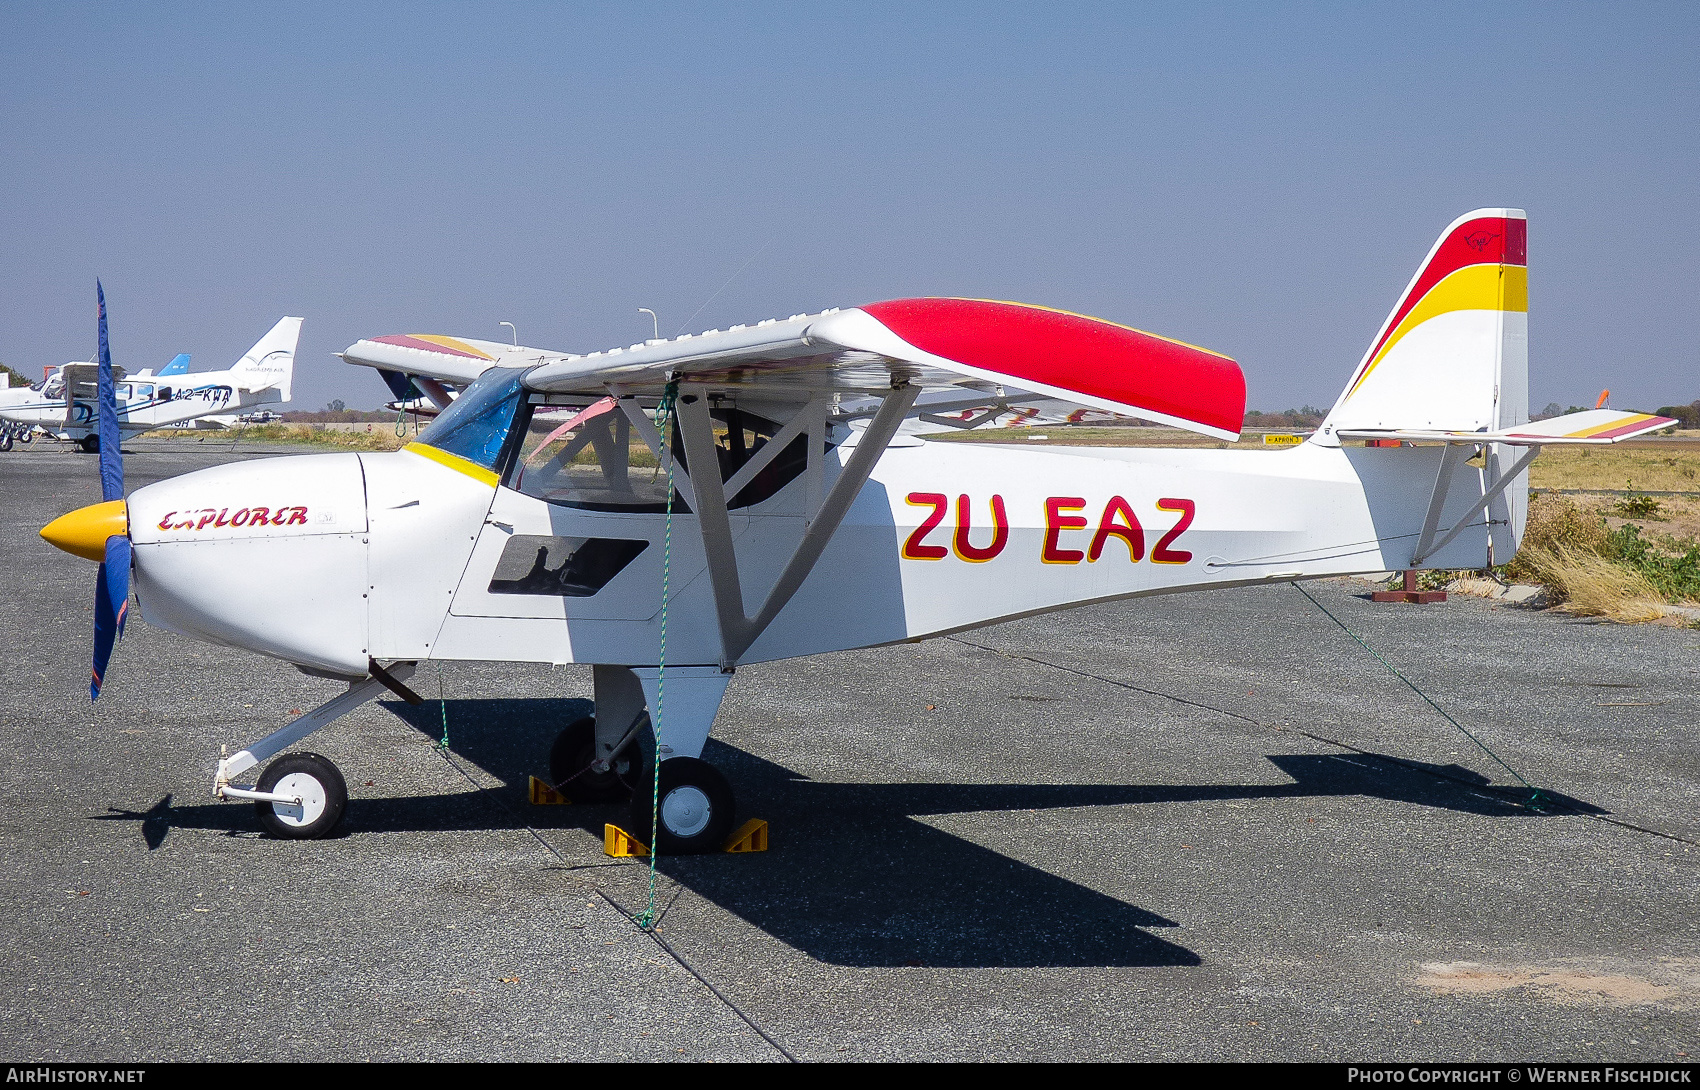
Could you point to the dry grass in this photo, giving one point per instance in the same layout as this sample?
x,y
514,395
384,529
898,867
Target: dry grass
x,y
381,437
1597,566
1589,585
1667,467
1476,586
1556,520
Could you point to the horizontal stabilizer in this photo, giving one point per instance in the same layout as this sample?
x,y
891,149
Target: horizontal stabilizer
x,y
1594,427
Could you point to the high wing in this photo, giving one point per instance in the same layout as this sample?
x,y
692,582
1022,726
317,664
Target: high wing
x,y
985,351
456,360
965,355
435,365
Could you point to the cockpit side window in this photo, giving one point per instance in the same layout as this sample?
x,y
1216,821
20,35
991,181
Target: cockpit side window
x,y
476,427
589,456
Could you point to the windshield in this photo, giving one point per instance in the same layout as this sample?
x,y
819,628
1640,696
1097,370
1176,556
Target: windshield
x,y
477,424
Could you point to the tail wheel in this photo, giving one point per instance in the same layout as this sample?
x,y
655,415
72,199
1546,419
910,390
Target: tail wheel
x,y
316,782
692,808
572,768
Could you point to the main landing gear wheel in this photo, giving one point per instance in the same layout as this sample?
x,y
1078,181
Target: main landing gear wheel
x,y
695,808
572,771
319,786
90,444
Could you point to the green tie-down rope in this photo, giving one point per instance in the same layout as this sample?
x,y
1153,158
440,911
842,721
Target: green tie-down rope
x,y
663,424
443,705
1537,800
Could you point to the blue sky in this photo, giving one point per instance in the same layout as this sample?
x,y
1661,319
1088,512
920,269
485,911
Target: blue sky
x,y
1261,179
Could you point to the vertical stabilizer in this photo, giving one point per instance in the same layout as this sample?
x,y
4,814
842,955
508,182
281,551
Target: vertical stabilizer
x,y
1454,353
270,364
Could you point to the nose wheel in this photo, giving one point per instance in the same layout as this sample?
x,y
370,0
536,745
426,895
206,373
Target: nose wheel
x,y
690,812
318,792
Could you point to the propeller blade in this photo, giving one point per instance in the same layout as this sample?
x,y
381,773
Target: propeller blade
x,y
111,456
112,585
111,606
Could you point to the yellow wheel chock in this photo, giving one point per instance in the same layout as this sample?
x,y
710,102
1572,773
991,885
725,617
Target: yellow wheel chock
x,y
750,837
544,795
619,844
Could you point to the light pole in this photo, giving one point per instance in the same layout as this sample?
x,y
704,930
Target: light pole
x,y
511,326
653,320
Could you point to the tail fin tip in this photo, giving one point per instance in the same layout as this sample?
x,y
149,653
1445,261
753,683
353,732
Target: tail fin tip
x,y
1453,352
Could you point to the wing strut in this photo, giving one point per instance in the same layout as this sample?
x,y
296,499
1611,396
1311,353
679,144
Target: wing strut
x,y
737,629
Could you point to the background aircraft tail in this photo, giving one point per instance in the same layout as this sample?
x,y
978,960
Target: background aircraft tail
x,y
1454,353
270,364
179,365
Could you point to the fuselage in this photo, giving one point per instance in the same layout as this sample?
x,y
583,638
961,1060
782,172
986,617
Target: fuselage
x,y
331,560
144,404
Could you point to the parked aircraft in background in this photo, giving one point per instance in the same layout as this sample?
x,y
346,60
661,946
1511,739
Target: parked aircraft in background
x,y
65,405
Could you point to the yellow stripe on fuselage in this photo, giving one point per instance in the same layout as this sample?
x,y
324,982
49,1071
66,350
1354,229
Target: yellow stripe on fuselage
x,y
1474,287
454,462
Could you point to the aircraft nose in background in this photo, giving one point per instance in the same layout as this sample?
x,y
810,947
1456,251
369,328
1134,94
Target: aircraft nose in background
x,y
83,532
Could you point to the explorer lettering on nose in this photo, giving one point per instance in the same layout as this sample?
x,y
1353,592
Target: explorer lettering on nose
x,y
244,516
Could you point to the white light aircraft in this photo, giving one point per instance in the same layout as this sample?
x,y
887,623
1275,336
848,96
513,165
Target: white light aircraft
x,y
66,404
800,520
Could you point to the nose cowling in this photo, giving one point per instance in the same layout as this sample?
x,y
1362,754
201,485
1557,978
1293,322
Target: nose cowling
x,y
83,532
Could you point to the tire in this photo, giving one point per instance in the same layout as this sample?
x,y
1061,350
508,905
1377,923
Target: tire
x,y
5,439
570,760
324,797
90,444
26,436
695,806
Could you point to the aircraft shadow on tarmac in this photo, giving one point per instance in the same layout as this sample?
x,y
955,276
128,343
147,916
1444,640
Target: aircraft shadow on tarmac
x,y
851,877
